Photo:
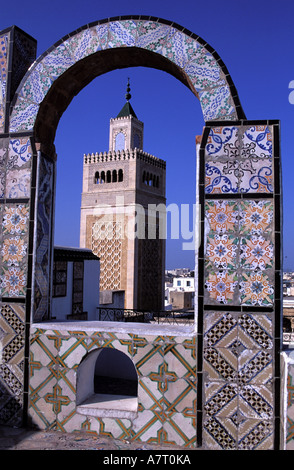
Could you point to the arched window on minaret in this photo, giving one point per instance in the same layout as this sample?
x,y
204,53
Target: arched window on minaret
x,y
108,176
120,176
96,178
114,176
119,141
137,141
102,180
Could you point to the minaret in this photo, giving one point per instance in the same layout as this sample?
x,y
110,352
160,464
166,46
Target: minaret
x,y
118,186
126,131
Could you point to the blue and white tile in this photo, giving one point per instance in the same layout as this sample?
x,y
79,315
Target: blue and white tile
x,y
82,44
151,35
58,60
122,33
37,84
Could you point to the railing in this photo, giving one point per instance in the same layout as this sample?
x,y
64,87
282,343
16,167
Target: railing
x,y
142,316
288,338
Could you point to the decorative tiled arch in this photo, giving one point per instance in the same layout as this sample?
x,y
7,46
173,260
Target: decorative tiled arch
x,y
201,67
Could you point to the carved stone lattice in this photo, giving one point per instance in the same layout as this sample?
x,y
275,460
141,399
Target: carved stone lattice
x,y
107,244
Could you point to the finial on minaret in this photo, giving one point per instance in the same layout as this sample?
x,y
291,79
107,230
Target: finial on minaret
x,y
128,95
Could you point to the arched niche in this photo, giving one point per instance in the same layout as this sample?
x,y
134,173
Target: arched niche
x,y
107,384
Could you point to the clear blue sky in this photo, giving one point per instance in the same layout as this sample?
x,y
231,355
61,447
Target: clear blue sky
x,y
255,41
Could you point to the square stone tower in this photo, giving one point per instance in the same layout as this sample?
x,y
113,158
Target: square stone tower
x,y
123,214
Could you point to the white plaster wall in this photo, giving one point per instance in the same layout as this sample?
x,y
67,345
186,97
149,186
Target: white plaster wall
x,y
91,287
61,306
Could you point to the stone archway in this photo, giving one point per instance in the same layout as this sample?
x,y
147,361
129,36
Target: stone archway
x,y
239,176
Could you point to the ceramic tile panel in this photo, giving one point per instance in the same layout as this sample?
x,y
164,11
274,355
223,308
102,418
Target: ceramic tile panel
x,y
15,167
240,272
217,103
122,33
58,61
18,172
166,385
15,219
151,35
82,44
180,48
256,217
239,256
102,33
200,66
37,85
238,360
238,398
201,69
239,160
12,336
43,237
24,115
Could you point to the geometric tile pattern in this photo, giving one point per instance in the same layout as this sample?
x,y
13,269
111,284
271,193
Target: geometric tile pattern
x,y
12,338
240,287
166,368
238,362
196,61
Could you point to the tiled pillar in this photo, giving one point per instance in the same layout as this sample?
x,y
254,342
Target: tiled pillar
x,y
240,285
17,160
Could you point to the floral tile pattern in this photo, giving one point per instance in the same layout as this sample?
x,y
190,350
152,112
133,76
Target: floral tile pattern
x,y
200,66
14,249
239,252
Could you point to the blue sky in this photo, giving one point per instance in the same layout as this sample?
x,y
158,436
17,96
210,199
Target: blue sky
x,y
256,43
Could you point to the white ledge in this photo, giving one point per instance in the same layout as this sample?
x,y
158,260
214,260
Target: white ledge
x,y
119,327
109,406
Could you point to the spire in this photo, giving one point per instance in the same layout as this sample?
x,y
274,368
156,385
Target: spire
x,y
128,95
127,110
